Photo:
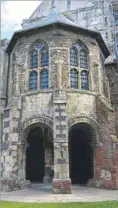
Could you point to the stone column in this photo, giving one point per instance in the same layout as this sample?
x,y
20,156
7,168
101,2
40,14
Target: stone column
x,y
48,156
61,181
48,165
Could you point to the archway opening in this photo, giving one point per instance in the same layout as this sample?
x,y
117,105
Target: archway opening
x,y
35,162
81,153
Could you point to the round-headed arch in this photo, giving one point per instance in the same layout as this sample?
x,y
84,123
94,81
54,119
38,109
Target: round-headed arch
x,y
27,124
90,122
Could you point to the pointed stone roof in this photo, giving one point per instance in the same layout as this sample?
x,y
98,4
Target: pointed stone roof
x,y
56,18
45,6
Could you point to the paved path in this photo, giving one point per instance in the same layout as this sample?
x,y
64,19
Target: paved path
x,y
41,193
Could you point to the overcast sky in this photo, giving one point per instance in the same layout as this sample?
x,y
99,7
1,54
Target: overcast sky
x,y
12,14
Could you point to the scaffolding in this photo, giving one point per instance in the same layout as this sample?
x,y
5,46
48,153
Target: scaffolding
x,y
114,14
110,15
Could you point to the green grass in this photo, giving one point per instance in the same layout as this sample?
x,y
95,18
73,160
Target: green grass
x,y
111,204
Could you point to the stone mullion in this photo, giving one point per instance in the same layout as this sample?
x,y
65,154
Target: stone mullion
x,y
79,79
89,80
39,70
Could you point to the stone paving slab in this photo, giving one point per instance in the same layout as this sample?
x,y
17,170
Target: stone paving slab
x,y
42,193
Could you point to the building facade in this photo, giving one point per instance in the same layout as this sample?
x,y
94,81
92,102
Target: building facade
x,y
60,122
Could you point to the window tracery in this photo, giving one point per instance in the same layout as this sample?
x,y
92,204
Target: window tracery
x,y
44,79
74,57
79,67
84,80
34,59
39,64
74,78
33,80
83,59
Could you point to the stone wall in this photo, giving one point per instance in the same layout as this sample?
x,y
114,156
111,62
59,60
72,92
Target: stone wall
x,y
106,158
81,104
112,74
58,51
37,104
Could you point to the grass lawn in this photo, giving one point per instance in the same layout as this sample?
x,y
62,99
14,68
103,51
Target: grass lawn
x,y
112,204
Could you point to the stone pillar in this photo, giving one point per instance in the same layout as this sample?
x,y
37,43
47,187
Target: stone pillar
x,y
48,156
13,159
61,181
48,165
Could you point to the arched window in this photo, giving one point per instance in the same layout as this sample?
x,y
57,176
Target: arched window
x,y
83,59
84,80
39,65
74,78
73,57
34,59
44,79
79,66
33,80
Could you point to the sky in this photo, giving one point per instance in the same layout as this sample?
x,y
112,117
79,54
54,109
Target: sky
x,y
12,14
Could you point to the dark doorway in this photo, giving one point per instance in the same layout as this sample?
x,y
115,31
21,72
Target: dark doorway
x,y
81,154
35,156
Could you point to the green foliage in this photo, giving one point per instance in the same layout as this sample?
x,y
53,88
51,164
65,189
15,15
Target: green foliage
x,y
108,204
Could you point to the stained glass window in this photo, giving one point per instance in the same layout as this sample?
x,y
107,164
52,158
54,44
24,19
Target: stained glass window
x,y
44,57
83,59
34,59
39,45
39,63
73,57
84,80
44,79
33,80
74,78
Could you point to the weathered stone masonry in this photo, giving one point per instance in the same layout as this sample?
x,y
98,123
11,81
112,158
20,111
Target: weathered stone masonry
x,y
58,109
112,74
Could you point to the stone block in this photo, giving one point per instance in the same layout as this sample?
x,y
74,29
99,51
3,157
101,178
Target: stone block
x,y
61,161
4,145
6,113
6,124
6,136
61,186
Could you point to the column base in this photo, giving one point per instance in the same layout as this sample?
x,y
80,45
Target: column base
x,y
103,184
8,185
47,180
91,183
61,186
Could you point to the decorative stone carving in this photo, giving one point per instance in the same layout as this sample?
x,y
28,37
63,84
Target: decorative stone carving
x,y
39,119
74,120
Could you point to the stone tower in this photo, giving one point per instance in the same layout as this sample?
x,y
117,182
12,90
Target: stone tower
x,y
59,124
